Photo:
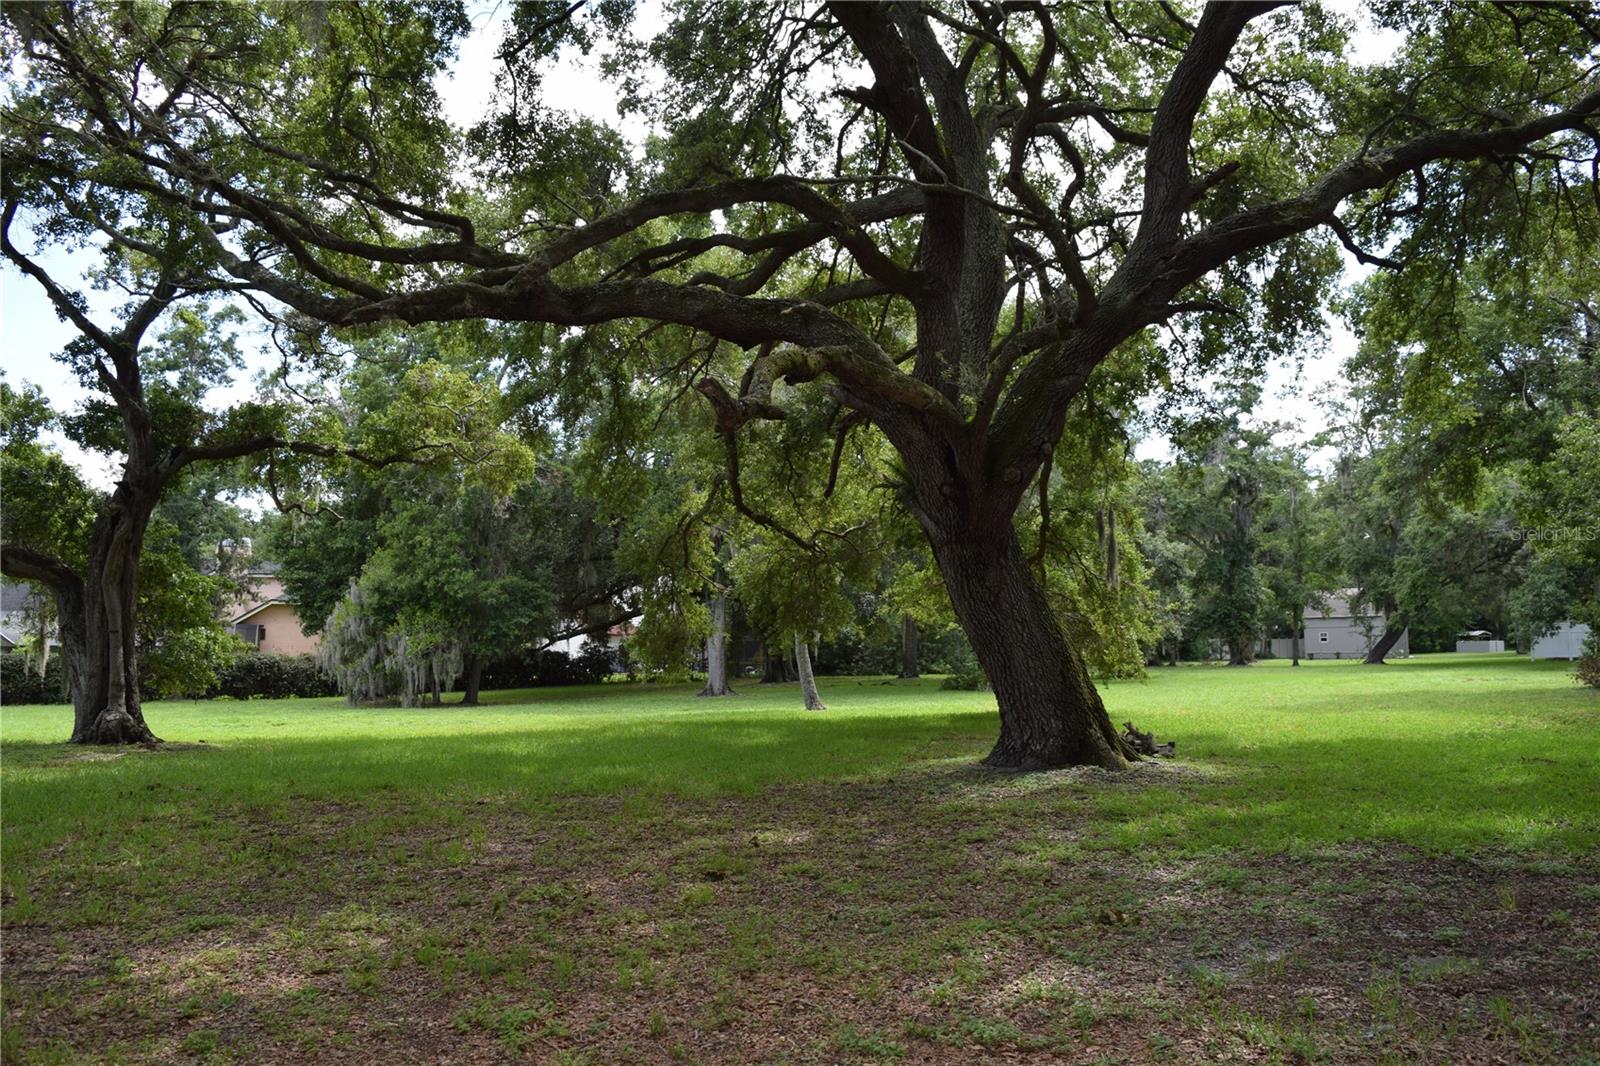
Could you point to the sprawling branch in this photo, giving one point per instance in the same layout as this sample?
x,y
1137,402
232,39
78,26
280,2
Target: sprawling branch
x,y
1230,237
1036,403
244,446
1167,185
842,223
28,565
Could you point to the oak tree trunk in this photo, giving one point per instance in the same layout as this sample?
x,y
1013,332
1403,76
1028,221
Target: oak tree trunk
x,y
472,681
808,681
909,647
1391,636
1050,713
105,663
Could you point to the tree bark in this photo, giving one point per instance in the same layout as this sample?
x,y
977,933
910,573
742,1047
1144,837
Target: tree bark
x,y
1239,651
909,647
717,649
1298,622
95,611
1050,713
471,681
105,666
1392,632
808,681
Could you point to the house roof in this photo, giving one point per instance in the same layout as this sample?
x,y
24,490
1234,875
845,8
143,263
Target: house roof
x,y
257,609
1338,606
16,596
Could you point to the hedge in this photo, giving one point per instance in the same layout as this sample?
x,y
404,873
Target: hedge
x,y
593,664
274,677
19,684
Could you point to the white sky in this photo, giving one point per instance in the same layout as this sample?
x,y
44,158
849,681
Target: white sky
x,y
30,332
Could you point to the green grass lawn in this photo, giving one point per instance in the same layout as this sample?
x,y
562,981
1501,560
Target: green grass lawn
x,y
1344,864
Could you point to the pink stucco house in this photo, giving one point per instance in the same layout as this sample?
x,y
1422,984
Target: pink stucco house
x,y
266,619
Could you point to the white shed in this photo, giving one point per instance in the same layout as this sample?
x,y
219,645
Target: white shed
x,y
1566,642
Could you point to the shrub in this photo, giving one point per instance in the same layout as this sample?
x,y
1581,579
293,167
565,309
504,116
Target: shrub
x,y
526,669
517,670
274,677
593,664
19,684
965,673
872,648
188,662
1588,671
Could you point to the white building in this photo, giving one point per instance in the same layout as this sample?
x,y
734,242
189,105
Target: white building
x,y
1341,630
1566,642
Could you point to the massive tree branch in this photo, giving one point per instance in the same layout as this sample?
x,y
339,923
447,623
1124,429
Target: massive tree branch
x,y
841,222
21,562
1141,292
1227,238
1166,170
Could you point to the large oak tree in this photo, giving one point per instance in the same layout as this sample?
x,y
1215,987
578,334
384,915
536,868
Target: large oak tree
x,y
1032,187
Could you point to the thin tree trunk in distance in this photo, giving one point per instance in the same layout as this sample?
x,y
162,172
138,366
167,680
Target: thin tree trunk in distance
x,y
472,680
910,645
808,681
770,672
717,649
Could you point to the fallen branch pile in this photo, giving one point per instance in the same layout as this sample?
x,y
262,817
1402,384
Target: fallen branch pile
x,y
1145,743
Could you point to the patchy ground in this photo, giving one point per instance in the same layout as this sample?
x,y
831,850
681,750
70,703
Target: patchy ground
x,y
940,915
1345,864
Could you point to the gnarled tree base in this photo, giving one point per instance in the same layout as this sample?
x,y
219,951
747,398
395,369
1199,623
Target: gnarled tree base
x,y
115,726
1026,757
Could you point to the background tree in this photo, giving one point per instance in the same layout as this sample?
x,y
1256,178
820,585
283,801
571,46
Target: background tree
x,y
458,563
810,533
1295,548
215,534
1223,484
1469,382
